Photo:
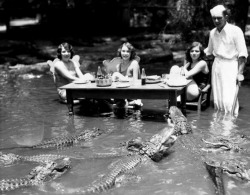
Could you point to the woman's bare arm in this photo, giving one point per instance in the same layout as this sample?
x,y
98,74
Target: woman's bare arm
x,y
59,66
200,67
136,69
77,69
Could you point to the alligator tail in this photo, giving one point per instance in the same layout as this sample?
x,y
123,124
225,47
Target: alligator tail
x,y
12,184
16,147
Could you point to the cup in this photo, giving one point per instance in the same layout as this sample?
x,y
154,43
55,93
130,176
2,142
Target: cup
x,y
94,77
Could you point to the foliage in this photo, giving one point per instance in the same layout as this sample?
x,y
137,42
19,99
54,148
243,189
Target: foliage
x,y
188,16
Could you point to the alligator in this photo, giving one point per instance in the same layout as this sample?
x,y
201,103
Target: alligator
x,y
37,176
7,159
222,144
66,141
10,158
215,167
155,148
216,174
233,167
179,121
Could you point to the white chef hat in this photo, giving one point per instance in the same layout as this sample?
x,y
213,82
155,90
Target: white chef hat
x,y
217,10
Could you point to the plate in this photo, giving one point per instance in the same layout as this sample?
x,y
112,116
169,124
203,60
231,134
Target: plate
x,y
123,81
80,82
123,85
153,81
171,83
153,77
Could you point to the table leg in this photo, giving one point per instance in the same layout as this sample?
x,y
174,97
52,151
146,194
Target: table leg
x,y
173,99
167,107
70,102
183,101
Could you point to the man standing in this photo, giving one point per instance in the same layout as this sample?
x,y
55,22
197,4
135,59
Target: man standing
x,y
227,45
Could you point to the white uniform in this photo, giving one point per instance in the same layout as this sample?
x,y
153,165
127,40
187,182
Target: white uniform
x,y
227,46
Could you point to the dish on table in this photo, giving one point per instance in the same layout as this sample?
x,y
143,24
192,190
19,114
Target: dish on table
x,y
153,77
124,80
152,81
80,81
177,81
103,82
122,85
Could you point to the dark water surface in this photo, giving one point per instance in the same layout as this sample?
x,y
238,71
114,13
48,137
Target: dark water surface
x,y
30,113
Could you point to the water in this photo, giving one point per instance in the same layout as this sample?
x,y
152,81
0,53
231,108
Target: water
x,y
31,113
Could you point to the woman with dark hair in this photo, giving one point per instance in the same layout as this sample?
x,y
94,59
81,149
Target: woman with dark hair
x,y
66,69
195,68
129,66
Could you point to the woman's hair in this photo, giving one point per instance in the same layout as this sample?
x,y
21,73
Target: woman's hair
x,y
67,47
202,53
130,48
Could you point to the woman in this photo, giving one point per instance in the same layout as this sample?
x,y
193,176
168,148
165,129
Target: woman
x,y
196,69
129,67
66,70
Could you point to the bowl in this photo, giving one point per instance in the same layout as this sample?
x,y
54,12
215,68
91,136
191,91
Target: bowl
x,y
103,82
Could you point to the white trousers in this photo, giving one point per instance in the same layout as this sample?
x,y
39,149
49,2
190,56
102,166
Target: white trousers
x,y
224,75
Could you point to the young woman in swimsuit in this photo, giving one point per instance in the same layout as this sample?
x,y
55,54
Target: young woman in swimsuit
x,y
196,69
129,65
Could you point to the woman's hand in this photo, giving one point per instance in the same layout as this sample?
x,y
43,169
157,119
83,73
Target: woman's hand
x,y
182,72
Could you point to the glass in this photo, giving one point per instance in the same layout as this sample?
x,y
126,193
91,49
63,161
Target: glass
x,y
94,77
93,74
143,77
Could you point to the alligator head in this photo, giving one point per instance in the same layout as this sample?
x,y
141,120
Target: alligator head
x,y
49,171
232,167
221,144
40,174
87,134
156,146
9,158
179,121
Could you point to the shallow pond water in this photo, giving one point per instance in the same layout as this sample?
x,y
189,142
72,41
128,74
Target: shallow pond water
x,y
31,113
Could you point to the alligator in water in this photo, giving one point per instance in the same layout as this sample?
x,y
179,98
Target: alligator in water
x,y
215,167
66,141
155,149
232,167
222,144
179,121
39,175
10,158
7,159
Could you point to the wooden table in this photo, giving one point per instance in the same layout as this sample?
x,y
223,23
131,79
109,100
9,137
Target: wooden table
x,y
135,91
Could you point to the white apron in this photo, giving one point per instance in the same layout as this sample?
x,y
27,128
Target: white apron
x,y
224,75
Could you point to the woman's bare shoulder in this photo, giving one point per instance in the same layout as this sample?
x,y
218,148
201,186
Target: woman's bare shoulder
x,y
203,65
58,64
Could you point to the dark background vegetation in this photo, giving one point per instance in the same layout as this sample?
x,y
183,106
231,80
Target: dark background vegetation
x,y
85,22
121,17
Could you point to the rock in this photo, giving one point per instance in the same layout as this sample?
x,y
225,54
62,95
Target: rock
x,y
34,68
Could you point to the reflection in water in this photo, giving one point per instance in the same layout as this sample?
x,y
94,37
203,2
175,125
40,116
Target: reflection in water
x,y
223,124
28,135
30,113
